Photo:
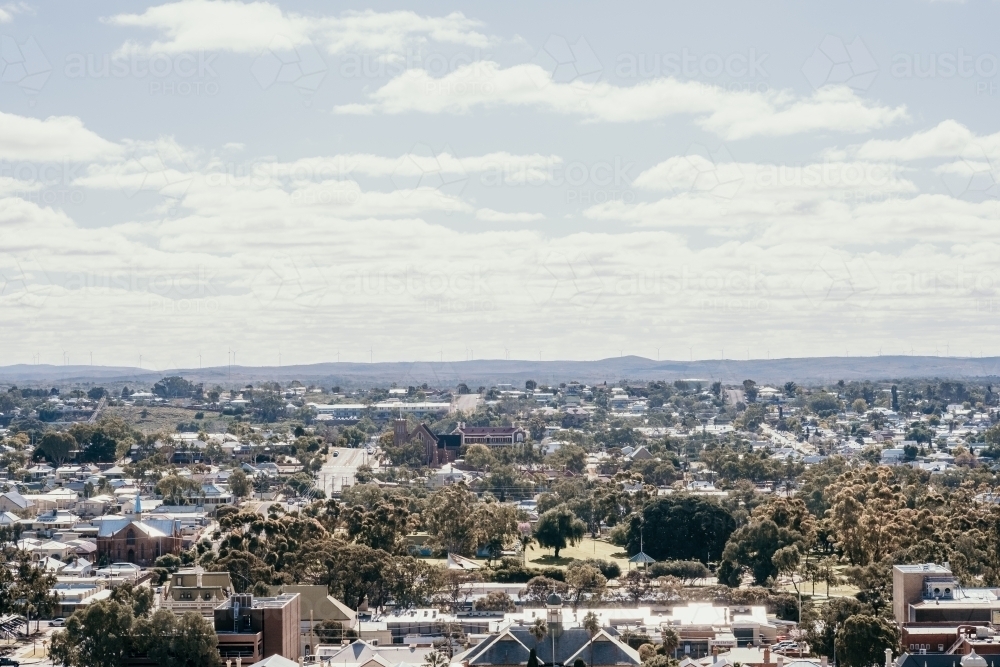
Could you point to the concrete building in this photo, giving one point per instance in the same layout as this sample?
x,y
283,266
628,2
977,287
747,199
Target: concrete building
x,y
252,628
703,627
388,409
316,605
930,593
345,412
194,589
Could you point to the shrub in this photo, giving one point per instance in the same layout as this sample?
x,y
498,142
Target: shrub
x,y
609,568
688,570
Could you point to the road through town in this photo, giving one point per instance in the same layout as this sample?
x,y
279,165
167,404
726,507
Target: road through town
x,y
340,469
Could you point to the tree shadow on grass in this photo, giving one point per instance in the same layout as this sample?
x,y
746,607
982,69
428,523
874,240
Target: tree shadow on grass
x,y
550,560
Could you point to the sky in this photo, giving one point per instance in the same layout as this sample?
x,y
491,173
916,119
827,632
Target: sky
x,y
193,183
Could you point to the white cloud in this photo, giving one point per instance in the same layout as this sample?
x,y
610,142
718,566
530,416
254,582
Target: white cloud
x,y
57,138
251,247
947,139
733,115
489,215
200,25
11,9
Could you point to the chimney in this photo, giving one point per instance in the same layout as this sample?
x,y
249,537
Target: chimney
x,y
888,657
823,662
767,655
779,660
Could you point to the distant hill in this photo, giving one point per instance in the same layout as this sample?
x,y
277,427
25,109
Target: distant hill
x,y
810,370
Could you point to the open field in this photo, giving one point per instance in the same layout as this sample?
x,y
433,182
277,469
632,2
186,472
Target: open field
x,y
588,548
151,419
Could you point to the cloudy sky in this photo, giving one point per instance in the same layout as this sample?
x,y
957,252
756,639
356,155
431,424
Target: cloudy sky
x,y
297,182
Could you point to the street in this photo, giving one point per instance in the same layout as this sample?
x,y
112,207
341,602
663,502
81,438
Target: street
x,y
339,470
465,403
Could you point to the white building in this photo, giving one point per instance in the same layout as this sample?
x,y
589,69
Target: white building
x,y
391,409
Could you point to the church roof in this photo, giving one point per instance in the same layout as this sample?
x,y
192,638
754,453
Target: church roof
x,y
511,647
148,527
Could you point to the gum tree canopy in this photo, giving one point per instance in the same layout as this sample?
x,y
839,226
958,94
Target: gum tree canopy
x,y
681,527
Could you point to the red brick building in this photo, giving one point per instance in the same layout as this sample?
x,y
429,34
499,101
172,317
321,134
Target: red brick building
x,y
139,542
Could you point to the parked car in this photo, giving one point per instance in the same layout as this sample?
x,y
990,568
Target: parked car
x,y
8,662
57,622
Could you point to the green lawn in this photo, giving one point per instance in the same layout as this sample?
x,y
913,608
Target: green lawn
x,y
588,548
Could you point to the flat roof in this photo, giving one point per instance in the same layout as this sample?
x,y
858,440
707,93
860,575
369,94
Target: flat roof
x,y
929,568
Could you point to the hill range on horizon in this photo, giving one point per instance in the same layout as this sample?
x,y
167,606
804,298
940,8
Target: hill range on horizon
x,y
811,370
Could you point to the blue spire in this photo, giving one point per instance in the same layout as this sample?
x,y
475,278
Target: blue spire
x,y
138,504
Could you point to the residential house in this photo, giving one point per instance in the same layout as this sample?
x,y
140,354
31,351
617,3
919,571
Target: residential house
x,y
75,594
364,654
95,505
47,523
12,501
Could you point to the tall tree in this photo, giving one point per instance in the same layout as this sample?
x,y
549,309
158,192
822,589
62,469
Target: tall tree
x,y
592,625
773,541
681,527
239,484
862,640
497,525
57,446
823,624
558,528
585,580
450,519
178,641
33,589
99,635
